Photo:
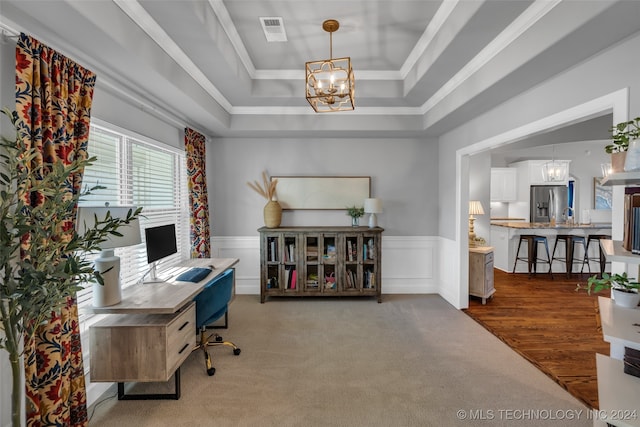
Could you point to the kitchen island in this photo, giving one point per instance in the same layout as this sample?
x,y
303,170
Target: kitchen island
x,y
506,234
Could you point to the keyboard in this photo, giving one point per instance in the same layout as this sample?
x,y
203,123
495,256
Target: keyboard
x,y
194,275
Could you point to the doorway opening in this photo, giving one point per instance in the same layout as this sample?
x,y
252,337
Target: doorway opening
x,y
615,103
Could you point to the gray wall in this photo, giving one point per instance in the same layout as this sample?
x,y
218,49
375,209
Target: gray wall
x,y
479,189
576,86
7,90
403,174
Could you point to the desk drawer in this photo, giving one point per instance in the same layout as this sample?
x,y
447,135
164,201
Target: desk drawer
x,y
181,337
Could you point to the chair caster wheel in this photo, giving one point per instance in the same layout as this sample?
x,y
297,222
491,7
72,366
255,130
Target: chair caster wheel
x,y
236,351
211,371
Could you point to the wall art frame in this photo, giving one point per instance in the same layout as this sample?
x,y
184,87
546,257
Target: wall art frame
x,y
322,192
602,195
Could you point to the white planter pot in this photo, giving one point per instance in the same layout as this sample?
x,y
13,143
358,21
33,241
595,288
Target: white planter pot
x,y
626,299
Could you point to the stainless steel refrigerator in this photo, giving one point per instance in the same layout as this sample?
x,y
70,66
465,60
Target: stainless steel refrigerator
x,y
547,201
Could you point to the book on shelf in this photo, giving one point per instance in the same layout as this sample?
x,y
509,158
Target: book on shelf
x,y
287,273
290,277
349,279
631,201
272,250
635,240
349,250
292,252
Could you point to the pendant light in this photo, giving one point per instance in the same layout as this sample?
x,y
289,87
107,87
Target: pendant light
x,y
330,82
554,171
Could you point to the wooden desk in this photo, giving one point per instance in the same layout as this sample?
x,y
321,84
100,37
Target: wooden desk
x,y
169,296
151,332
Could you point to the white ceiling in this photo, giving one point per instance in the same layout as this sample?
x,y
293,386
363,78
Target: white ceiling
x,y
422,67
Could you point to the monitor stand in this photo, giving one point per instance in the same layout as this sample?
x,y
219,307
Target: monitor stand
x,y
153,278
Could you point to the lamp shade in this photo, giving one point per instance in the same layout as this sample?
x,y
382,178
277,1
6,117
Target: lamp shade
x,y
130,232
372,205
475,208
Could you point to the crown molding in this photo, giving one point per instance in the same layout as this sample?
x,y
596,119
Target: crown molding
x,y
139,15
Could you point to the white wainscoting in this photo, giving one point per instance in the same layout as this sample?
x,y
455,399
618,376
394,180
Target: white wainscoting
x,y
410,264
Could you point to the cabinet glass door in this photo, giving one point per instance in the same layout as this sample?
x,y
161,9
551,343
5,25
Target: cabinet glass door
x,y
273,256
369,261
312,256
352,259
328,272
290,262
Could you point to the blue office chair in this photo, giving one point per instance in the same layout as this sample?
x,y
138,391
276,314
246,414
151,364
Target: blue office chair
x,y
211,304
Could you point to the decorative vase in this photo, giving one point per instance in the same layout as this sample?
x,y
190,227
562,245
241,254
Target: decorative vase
x,y
626,299
272,214
355,221
632,160
618,161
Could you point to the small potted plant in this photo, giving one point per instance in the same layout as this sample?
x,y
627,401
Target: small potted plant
x,y
624,289
355,213
622,134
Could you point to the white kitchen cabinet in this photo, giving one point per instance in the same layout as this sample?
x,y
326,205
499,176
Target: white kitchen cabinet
x,y
500,244
504,184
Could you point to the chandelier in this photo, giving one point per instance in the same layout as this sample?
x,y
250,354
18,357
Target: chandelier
x,y
330,82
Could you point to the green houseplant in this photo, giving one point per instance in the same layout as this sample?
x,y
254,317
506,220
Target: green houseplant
x,y
625,289
622,134
38,278
355,213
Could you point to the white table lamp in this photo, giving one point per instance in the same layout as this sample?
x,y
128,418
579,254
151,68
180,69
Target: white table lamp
x,y
108,264
475,208
372,207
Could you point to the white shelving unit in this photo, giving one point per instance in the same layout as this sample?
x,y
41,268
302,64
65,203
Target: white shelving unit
x,y
622,178
615,252
617,391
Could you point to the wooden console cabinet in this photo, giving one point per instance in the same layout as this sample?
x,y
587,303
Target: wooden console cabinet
x,y
320,261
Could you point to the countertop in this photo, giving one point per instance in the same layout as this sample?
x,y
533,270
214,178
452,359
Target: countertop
x,y
558,225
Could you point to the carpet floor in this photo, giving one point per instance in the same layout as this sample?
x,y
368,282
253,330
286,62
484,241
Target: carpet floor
x,y
550,324
413,360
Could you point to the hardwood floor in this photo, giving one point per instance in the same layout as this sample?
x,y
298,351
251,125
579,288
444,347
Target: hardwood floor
x,y
550,324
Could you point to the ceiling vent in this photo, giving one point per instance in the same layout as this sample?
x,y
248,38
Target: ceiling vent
x,y
273,28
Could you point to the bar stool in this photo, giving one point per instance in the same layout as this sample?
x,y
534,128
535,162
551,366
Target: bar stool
x,y
532,259
570,241
600,258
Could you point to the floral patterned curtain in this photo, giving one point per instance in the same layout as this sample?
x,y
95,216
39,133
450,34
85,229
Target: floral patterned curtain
x,y
53,102
199,204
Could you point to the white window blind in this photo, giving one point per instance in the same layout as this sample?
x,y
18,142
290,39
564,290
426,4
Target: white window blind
x,y
136,172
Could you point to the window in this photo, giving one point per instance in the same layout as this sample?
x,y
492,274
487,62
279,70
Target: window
x,y
136,171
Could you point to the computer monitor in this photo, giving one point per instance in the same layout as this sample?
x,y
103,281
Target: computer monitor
x,y
161,243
